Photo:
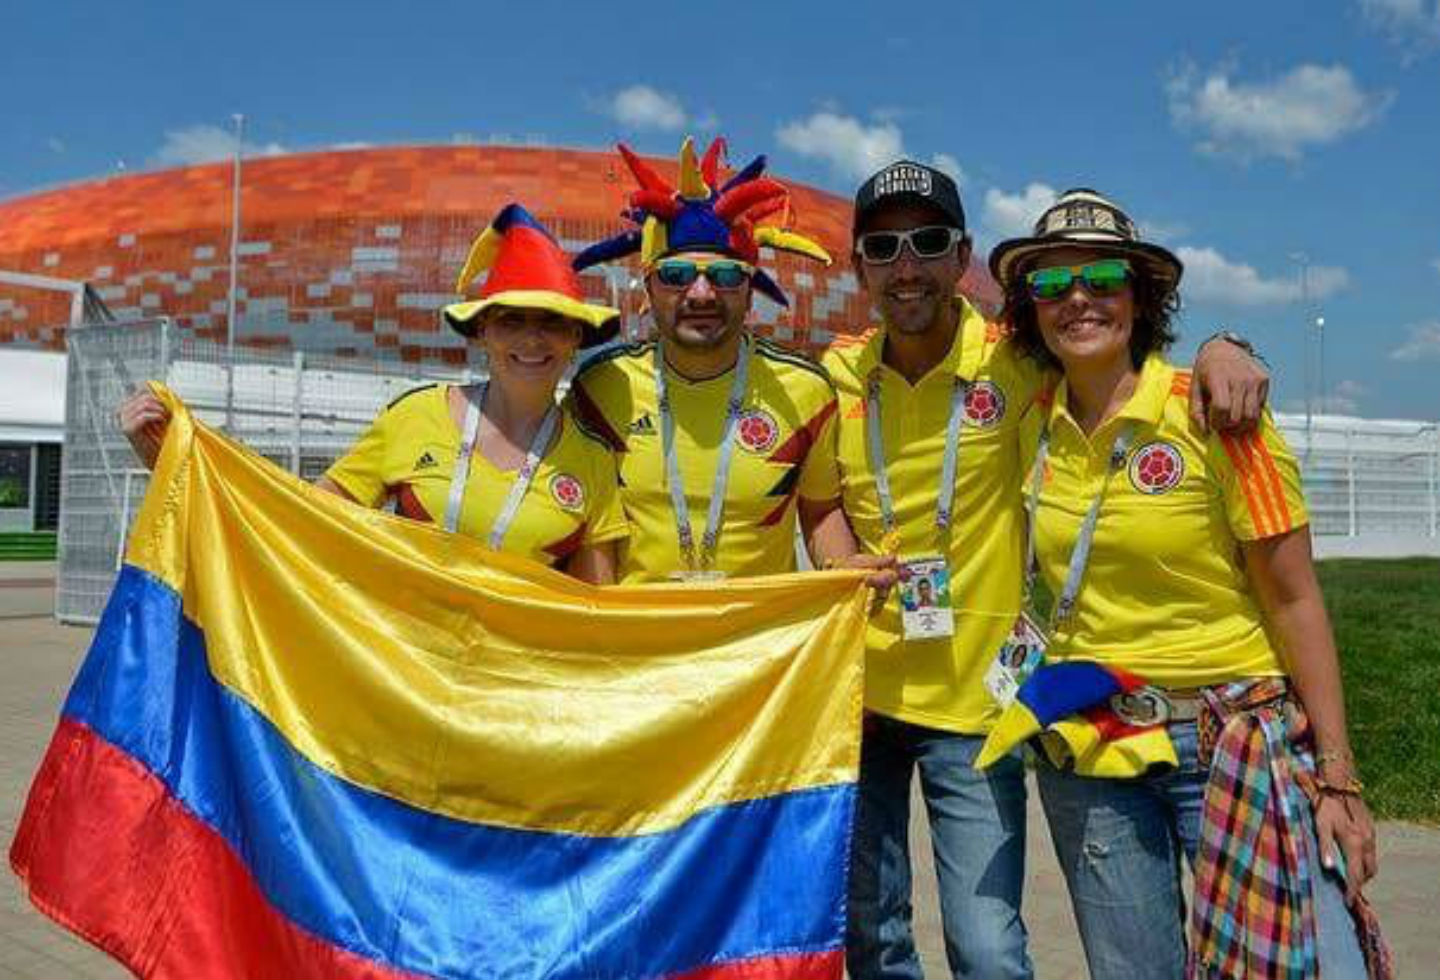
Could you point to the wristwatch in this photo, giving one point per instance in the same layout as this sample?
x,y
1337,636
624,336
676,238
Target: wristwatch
x,y
1231,337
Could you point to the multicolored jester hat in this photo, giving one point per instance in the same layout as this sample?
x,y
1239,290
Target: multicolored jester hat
x,y
705,215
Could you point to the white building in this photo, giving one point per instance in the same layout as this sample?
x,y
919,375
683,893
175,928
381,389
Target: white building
x,y
32,429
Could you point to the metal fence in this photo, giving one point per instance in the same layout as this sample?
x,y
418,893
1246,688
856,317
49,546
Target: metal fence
x,y
298,409
1372,485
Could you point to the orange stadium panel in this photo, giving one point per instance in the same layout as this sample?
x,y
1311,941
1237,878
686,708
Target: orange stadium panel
x,y
354,251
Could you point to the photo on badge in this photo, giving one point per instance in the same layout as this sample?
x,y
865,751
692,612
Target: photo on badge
x,y
925,598
1020,655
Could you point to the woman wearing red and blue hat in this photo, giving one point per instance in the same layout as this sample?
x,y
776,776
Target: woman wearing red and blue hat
x,y
498,460
1189,704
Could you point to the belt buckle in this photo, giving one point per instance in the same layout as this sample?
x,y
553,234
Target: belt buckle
x,y
1143,707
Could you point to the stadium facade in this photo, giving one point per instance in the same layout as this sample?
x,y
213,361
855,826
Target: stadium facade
x,y
352,252
342,255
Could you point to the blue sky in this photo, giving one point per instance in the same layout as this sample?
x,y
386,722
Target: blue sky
x,y
1242,134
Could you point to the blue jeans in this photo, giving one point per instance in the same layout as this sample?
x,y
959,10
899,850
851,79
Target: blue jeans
x,y
1120,843
977,826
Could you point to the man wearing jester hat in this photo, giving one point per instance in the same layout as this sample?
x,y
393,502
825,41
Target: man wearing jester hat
x,y
723,439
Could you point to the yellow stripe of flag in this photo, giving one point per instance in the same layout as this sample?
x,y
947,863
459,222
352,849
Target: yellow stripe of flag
x,y
485,687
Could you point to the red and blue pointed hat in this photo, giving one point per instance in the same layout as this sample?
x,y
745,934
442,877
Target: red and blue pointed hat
x,y
528,270
736,217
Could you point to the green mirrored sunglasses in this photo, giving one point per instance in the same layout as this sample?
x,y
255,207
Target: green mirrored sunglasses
x,y
1104,278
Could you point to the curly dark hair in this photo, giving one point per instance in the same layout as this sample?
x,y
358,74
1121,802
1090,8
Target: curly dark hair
x,y
1156,305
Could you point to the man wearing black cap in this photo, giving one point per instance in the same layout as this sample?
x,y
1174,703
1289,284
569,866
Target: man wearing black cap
x,y
930,410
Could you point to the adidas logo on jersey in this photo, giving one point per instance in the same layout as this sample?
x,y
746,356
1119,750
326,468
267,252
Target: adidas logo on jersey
x,y
425,461
643,426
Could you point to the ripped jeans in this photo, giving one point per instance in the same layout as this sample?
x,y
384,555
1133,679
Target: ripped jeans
x,y
1120,843
977,830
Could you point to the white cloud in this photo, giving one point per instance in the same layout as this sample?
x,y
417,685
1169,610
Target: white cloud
x,y
644,107
55,144
1435,264
1342,399
205,144
1423,343
488,139
1309,106
1163,231
1014,215
1211,277
853,149
1412,25
946,163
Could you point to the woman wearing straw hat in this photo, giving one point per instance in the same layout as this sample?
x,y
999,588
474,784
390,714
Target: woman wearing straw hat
x,y
498,460
1182,566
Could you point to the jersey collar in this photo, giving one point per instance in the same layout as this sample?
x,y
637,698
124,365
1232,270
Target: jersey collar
x,y
1146,403
967,349
747,342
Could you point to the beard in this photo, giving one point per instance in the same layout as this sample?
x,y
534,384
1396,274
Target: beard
x,y
915,316
706,332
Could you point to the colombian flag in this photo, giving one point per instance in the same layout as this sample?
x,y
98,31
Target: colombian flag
x,y
1067,704
312,740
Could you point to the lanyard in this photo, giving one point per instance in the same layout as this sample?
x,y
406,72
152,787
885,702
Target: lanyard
x,y
875,444
1080,556
678,503
523,478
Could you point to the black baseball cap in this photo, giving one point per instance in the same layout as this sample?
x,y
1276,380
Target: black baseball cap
x,y
908,180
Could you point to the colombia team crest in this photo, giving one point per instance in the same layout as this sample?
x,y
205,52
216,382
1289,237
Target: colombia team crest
x,y
757,431
984,404
1156,467
567,491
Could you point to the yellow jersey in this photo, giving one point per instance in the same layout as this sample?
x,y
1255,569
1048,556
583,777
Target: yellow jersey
x,y
1165,593
784,450
408,455
939,682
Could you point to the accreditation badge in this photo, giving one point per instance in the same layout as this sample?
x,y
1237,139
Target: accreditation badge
x,y
925,611
1021,653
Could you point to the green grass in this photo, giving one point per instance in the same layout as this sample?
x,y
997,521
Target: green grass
x,y
1387,625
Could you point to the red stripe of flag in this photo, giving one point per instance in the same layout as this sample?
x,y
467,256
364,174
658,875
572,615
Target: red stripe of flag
x,y
120,859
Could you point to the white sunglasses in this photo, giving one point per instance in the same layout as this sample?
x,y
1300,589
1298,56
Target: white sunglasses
x,y
930,242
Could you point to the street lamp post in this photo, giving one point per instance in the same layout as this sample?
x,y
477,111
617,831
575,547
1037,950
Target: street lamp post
x,y
1303,260
1320,340
239,121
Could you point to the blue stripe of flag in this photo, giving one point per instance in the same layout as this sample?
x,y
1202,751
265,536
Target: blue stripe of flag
x,y
433,894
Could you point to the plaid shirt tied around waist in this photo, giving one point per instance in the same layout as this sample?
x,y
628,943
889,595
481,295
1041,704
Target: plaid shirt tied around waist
x,y
1253,913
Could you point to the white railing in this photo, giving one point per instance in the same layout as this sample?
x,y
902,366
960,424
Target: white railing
x,y
1372,485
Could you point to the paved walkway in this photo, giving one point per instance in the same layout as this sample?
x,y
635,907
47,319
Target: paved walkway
x,y
38,658
27,588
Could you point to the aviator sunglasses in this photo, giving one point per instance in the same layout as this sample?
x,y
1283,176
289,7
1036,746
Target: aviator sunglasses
x,y
930,242
721,273
1104,278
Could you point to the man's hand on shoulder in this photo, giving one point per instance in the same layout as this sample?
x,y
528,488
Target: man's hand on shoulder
x,y
1231,386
